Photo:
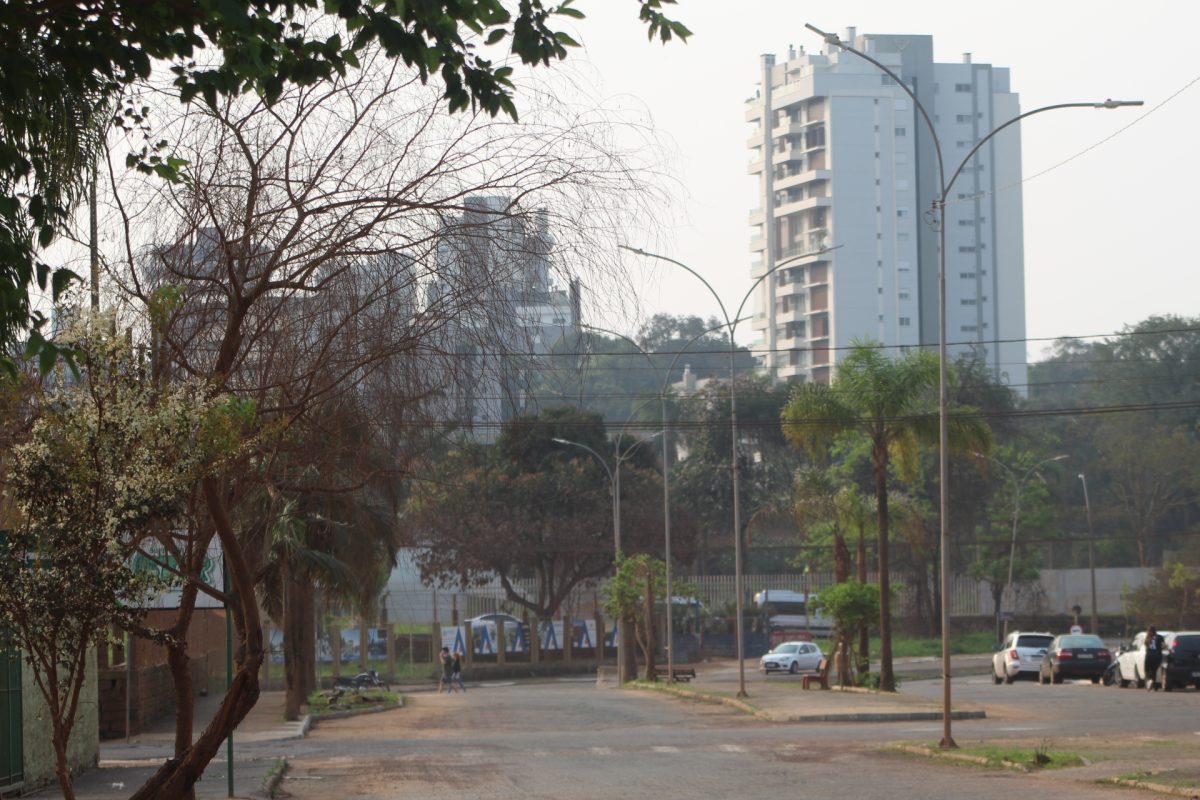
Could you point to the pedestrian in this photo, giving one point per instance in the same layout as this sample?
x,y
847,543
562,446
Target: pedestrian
x,y
447,671
1154,655
456,671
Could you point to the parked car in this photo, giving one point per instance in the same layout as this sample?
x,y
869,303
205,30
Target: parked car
x,y
1181,661
1020,654
792,657
1074,655
514,630
1132,660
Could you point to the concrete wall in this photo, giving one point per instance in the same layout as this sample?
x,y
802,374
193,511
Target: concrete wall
x,y
84,746
1059,589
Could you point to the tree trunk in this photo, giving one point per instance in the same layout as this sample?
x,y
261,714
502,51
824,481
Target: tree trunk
x,y
648,614
841,557
62,770
887,680
293,645
307,624
864,636
177,777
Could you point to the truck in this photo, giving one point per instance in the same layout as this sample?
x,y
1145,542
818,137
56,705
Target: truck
x,y
788,613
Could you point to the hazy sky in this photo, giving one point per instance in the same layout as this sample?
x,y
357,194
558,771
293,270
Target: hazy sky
x,y
1108,236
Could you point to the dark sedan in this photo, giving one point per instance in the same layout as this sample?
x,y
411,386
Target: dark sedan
x,y
1181,661
1075,655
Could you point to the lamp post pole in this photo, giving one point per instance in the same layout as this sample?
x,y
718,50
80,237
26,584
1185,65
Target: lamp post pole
x,y
1012,548
662,398
1091,554
731,326
614,480
939,209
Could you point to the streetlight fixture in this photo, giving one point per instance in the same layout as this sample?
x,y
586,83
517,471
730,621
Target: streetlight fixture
x,y
614,479
1012,550
662,397
938,206
731,326
1091,554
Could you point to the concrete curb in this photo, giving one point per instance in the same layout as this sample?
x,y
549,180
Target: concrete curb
x,y
1161,788
885,716
270,786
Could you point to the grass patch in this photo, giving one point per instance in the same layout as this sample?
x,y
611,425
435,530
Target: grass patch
x,y
320,704
960,644
1040,756
1178,778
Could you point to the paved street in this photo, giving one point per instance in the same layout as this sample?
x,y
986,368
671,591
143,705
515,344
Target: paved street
x,y
568,740
571,739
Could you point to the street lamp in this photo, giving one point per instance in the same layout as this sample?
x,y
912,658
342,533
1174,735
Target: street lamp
x,y
939,209
614,479
1012,550
1091,554
731,326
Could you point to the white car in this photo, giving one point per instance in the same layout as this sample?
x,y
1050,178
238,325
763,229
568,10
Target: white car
x,y
1021,653
792,657
1131,661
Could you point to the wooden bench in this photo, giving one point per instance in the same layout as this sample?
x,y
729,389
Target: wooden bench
x,y
821,678
679,673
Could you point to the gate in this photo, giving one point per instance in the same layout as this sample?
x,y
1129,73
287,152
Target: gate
x,y
11,757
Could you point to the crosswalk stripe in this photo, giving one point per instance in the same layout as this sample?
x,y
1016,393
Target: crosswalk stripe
x,y
602,751
666,748
733,748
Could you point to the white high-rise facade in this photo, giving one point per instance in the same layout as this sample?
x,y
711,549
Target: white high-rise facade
x,y
844,160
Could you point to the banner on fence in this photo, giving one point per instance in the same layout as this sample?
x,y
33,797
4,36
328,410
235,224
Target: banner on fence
x,y
455,638
585,633
551,635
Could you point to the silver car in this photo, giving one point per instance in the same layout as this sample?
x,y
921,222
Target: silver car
x,y
792,657
1021,653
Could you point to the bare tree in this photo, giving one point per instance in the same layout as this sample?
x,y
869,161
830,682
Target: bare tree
x,y
299,263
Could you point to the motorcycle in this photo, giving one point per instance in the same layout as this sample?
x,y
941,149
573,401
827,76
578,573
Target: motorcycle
x,y
363,680
1112,675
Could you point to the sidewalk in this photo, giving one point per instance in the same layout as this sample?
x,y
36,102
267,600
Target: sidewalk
x,y
780,698
257,746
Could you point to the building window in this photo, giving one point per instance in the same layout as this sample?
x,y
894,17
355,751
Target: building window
x,y
962,87
901,212
966,222
901,132
904,295
970,329
967,275
968,301
966,248
905,322
962,118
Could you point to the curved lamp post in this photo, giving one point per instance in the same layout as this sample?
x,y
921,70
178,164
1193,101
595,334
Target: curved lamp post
x,y
939,209
731,326
662,398
614,480
1017,484
1091,554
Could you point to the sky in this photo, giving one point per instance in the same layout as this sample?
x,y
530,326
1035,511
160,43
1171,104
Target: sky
x,y
1108,234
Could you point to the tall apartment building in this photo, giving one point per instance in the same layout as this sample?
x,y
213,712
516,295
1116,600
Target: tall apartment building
x,y
494,268
844,160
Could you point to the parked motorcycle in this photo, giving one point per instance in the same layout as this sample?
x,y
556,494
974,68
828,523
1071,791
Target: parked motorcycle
x,y
363,680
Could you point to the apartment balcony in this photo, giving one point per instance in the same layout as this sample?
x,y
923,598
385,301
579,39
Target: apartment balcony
x,y
755,166
796,206
814,240
757,243
757,216
795,313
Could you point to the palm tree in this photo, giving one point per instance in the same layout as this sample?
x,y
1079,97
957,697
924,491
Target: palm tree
x,y
884,400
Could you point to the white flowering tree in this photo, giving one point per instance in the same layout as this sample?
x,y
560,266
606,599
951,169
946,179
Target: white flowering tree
x,y
109,465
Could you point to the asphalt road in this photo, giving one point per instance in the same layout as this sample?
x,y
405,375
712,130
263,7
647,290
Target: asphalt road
x,y
569,740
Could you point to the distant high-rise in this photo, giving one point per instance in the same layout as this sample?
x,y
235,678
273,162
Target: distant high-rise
x,y
843,159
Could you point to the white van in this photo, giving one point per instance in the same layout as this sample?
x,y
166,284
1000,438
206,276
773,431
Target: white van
x,y
784,609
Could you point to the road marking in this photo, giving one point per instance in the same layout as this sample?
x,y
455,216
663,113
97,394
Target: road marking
x,y
602,751
1022,728
733,748
471,753
540,753
665,748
